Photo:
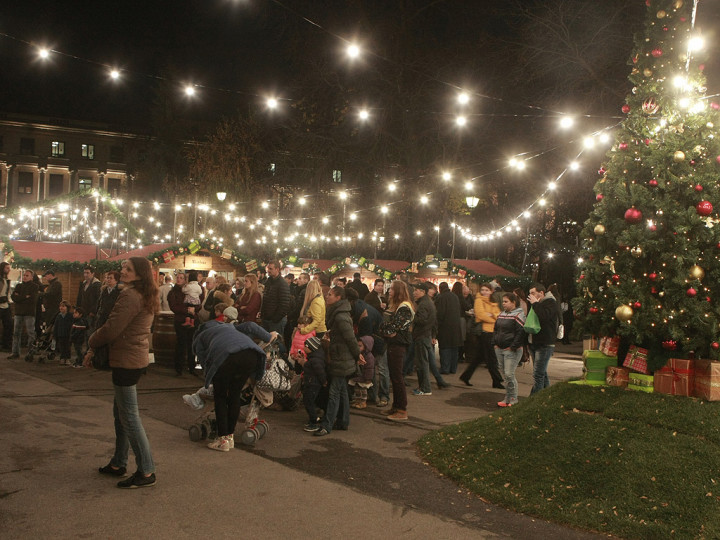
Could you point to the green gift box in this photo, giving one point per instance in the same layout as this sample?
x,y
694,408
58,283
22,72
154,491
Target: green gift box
x,y
641,382
595,365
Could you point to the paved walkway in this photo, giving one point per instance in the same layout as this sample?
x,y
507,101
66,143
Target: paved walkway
x,y
56,429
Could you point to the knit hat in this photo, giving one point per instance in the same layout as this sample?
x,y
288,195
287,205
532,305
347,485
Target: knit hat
x,y
230,314
313,343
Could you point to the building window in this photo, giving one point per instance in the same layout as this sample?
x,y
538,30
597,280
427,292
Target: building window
x,y
58,149
55,186
84,183
25,182
87,151
27,146
55,225
271,168
117,154
113,187
337,176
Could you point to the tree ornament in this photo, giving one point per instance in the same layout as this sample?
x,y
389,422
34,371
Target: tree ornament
x,y
653,228
698,187
652,276
599,229
678,4
691,292
696,272
717,159
647,72
661,294
602,170
708,299
652,183
636,252
647,141
661,14
653,290
624,313
669,344
650,106
633,215
704,208
637,305
679,156
623,146
657,53
625,108
593,310
714,105
715,345
616,277
599,197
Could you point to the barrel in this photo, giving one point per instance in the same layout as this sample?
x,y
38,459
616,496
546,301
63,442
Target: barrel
x,y
164,339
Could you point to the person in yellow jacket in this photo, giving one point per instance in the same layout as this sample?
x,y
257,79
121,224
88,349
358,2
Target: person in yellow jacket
x,y
486,313
313,308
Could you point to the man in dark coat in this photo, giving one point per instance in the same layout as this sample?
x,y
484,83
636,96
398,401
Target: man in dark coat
x,y
375,297
184,357
359,286
25,298
276,300
88,297
542,344
51,298
449,335
423,335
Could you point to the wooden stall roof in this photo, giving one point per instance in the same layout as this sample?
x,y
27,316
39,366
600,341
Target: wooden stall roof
x,y
141,252
484,267
59,251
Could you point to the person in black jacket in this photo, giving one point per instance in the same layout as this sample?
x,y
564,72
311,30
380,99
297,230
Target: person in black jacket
x,y
312,360
51,298
508,339
276,300
87,299
423,334
25,297
359,286
542,344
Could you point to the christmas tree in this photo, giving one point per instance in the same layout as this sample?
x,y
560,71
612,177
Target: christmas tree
x,y
649,266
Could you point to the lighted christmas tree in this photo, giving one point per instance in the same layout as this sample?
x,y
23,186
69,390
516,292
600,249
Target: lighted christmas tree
x,y
650,269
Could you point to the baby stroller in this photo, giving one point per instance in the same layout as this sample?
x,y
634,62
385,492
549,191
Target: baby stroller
x,y
43,346
255,396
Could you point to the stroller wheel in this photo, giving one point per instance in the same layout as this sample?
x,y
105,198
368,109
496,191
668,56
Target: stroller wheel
x,y
262,428
248,437
195,433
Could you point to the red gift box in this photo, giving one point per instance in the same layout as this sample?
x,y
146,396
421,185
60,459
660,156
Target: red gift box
x,y
610,346
677,378
617,376
636,359
707,380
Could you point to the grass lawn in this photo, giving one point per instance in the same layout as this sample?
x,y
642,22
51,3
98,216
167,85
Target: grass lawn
x,y
603,458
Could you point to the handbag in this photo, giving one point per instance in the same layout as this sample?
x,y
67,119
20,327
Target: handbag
x,y
277,377
532,323
561,331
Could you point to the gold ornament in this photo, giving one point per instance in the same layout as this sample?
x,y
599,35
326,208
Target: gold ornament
x,y
647,72
624,313
661,14
678,4
661,294
636,252
679,156
650,105
599,229
696,272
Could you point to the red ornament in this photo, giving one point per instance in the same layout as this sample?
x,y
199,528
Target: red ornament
x,y
625,108
698,187
599,197
602,170
714,105
691,292
707,299
652,276
637,305
653,183
704,208
647,142
715,345
633,215
622,146
616,277
657,53
692,162
717,159
593,310
669,344
653,290
653,228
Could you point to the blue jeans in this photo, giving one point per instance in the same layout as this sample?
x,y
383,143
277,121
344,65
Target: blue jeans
x,y
28,321
541,358
278,327
432,364
381,382
448,359
422,366
129,431
508,361
338,403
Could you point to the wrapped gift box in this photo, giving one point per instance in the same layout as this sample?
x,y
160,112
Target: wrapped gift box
x,y
641,382
677,378
707,380
595,364
636,359
610,345
617,376
591,344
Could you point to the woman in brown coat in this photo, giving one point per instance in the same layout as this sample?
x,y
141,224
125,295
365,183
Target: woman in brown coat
x,y
127,333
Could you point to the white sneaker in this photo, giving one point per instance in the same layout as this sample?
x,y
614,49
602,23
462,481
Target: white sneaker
x,y
194,401
221,444
231,440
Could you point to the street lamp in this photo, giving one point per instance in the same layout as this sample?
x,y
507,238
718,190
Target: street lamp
x,y
471,201
221,195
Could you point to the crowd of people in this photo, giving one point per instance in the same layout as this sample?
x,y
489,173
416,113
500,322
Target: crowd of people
x,y
345,339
